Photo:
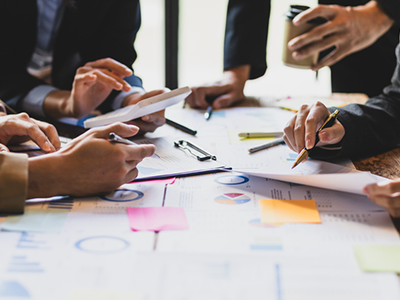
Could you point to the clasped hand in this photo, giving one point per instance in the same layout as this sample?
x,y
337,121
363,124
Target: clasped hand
x,y
348,29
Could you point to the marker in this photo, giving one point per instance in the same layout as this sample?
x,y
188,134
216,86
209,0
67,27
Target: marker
x,y
267,146
261,134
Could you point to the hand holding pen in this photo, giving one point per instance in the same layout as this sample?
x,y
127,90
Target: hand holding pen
x,y
300,132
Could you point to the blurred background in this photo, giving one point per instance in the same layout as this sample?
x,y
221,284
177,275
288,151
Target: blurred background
x,y
200,56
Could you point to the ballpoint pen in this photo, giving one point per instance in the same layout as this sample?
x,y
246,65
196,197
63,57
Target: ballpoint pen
x,y
267,145
180,127
113,137
305,152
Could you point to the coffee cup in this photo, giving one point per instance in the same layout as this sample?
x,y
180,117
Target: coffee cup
x,y
291,31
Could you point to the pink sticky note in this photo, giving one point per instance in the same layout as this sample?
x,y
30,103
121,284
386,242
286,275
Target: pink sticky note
x,y
157,218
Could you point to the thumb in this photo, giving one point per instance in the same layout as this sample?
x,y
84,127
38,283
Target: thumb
x,y
332,135
223,101
3,148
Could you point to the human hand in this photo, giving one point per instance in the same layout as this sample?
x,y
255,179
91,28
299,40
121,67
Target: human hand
x,y
227,91
150,122
88,165
93,83
386,194
349,29
300,131
20,128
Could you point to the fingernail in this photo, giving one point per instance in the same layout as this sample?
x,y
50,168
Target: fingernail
x,y
309,145
296,55
47,147
146,118
365,190
118,86
2,149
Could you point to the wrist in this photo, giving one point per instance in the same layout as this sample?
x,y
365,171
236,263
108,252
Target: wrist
x,y
376,13
239,74
44,176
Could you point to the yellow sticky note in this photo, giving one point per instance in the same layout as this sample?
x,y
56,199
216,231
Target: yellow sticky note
x,y
289,211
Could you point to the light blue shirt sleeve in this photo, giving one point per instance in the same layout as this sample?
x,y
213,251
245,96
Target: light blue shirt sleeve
x,y
117,102
33,101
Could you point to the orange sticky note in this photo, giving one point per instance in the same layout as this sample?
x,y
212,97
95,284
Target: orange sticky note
x,y
289,211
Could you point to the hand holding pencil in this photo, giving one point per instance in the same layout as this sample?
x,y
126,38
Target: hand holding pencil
x,y
300,132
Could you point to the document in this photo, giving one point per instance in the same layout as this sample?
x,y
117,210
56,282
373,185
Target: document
x,y
170,161
313,173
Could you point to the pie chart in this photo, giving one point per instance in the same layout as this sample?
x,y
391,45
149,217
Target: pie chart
x,y
232,199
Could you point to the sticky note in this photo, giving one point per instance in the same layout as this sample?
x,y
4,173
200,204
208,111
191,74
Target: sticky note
x,y
289,211
378,258
36,220
157,218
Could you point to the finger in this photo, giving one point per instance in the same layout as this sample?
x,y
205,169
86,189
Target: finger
x,y
156,118
225,101
319,11
394,212
131,175
315,118
50,131
289,134
122,129
299,128
288,143
137,153
332,135
316,47
112,65
3,148
39,137
111,80
152,94
197,98
386,201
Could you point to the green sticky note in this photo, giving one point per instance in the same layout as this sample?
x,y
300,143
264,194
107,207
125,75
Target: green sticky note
x,y
36,220
377,258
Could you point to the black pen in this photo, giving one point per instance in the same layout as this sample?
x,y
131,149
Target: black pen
x,y
210,101
328,123
180,127
267,145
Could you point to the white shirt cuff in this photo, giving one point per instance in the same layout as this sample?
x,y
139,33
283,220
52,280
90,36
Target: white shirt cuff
x,y
33,101
117,102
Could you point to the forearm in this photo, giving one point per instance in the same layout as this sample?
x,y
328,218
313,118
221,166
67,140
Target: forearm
x,y
13,182
55,104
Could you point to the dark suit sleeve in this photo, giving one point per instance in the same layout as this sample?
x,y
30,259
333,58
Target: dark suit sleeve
x,y
246,35
391,8
371,128
18,36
